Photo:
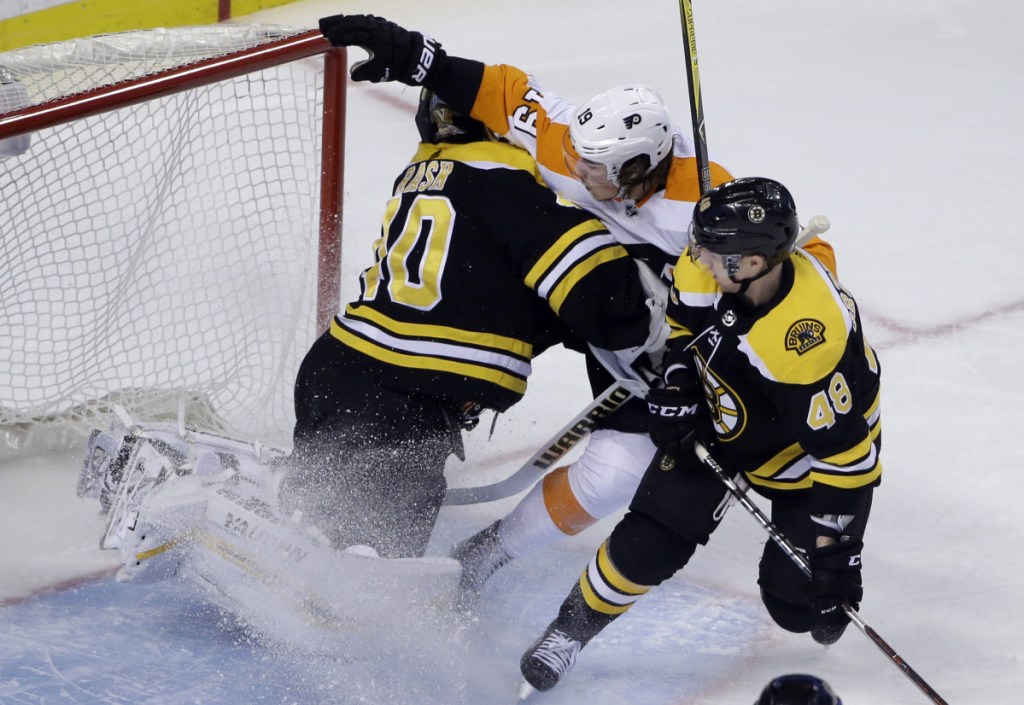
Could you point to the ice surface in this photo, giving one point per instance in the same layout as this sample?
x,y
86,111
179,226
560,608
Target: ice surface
x,y
901,121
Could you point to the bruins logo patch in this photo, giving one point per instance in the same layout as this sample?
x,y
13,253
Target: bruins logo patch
x,y
805,334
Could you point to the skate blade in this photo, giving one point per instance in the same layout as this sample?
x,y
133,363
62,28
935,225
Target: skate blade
x,y
525,691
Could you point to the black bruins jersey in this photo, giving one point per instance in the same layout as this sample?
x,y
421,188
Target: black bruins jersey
x,y
793,387
470,244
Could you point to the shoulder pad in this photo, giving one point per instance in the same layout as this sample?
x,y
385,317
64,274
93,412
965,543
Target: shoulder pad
x,y
804,337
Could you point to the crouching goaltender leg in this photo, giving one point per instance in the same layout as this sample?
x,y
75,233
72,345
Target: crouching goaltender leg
x,y
367,467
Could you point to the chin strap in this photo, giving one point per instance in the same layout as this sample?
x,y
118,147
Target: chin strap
x,y
745,283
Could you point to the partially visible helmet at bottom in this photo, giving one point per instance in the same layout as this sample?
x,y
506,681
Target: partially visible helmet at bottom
x,y
439,122
798,689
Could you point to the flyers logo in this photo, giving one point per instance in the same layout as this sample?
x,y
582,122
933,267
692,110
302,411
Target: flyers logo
x,y
631,120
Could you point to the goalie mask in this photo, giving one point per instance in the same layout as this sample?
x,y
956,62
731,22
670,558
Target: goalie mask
x,y
439,122
749,216
798,689
619,136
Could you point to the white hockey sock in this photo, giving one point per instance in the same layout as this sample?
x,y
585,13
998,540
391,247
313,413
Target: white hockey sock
x,y
549,512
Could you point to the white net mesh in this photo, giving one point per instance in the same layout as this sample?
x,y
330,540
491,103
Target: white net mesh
x,y
161,250
60,69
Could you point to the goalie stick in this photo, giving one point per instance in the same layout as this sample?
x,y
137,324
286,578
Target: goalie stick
x,y
798,558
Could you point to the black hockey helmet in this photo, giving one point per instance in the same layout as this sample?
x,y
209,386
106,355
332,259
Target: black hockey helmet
x,y
748,216
439,122
798,689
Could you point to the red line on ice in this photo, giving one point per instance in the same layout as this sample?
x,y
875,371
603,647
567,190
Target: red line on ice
x,y
906,334
56,587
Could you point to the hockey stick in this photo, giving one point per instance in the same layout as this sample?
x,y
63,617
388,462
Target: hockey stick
x,y
700,140
790,550
819,224
567,438
616,395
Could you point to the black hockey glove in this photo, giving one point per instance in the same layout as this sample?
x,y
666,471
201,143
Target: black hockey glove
x,y
671,417
835,578
396,54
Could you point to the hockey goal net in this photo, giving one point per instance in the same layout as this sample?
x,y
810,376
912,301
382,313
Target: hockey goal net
x,y
170,236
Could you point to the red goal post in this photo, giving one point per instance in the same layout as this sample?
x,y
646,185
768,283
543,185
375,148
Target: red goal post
x,y
171,236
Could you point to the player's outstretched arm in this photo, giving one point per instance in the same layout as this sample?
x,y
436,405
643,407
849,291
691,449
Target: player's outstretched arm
x,y
395,53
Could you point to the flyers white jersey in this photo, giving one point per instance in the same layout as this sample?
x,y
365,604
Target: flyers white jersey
x,y
513,105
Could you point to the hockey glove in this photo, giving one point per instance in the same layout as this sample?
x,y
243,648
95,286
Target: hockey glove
x,y
671,416
835,579
396,54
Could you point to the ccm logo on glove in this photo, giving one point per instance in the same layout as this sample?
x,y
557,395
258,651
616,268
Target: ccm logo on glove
x,y
672,411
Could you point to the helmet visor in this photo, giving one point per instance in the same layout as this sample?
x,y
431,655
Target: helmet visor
x,y
594,176
727,265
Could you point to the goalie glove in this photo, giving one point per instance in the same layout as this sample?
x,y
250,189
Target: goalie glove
x,y
396,54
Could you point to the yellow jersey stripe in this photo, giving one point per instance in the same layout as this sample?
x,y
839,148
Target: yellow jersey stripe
x,y
854,455
427,362
162,548
557,297
676,325
458,335
848,481
778,463
476,153
874,406
566,241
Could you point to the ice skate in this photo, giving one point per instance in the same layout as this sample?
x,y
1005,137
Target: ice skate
x,y
481,555
551,657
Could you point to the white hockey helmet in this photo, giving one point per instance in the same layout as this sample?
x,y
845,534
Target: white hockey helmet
x,y
618,125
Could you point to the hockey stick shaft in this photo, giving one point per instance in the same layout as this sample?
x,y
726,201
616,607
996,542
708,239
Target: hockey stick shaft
x,y
801,561
567,438
818,225
700,141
